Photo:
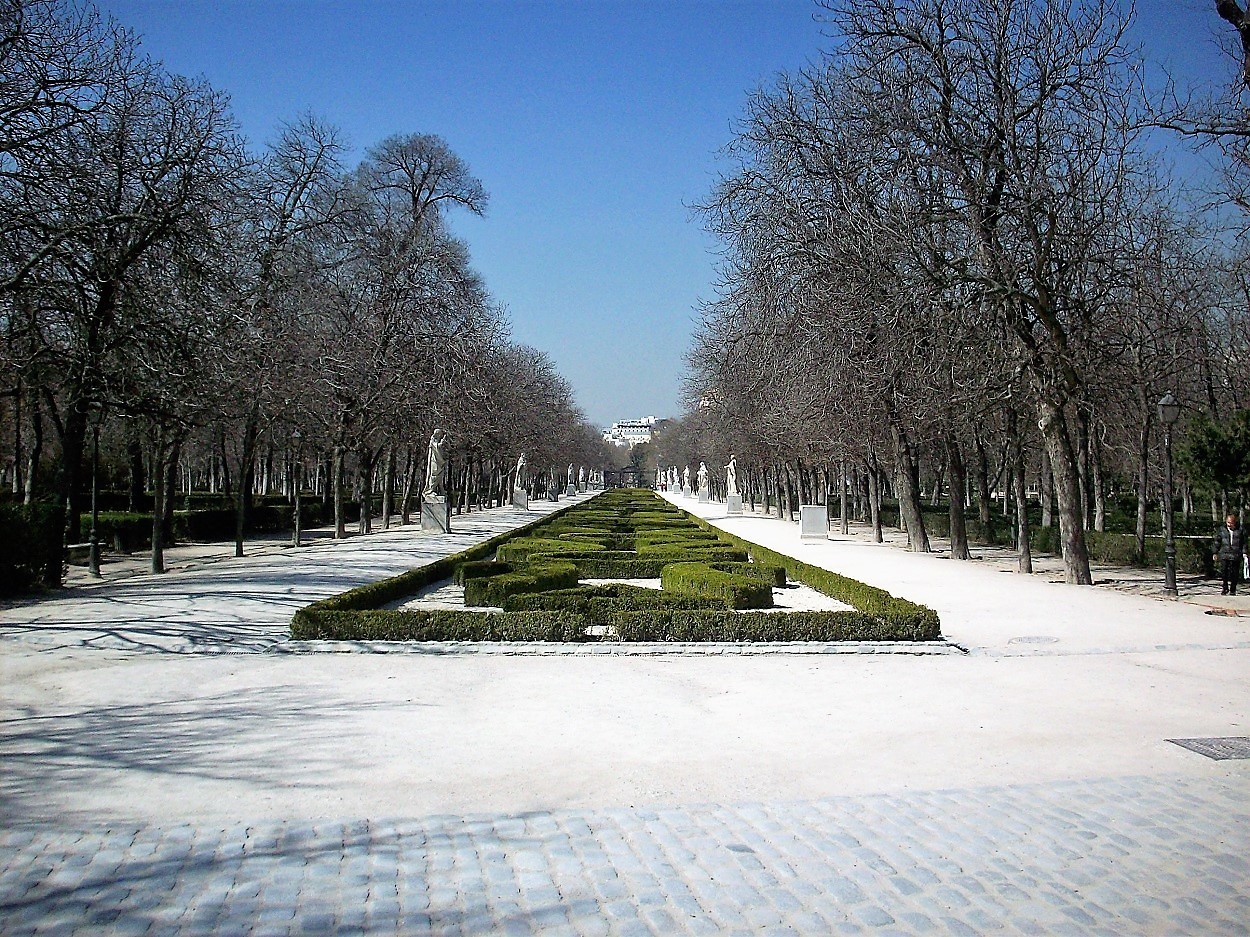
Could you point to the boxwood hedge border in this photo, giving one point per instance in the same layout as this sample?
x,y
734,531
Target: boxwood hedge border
x,y
877,616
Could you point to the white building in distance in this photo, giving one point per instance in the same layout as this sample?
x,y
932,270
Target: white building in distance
x,y
630,432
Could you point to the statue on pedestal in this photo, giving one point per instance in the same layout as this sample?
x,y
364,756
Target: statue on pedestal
x,y
731,477
522,478
686,477
436,465
702,475
581,477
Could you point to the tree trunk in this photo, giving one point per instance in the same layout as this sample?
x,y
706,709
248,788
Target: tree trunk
x,y
981,469
171,490
336,484
138,484
1025,564
406,501
842,484
1100,488
1143,490
1082,466
1063,461
958,477
388,488
365,469
247,470
874,498
159,479
1047,490
907,487
35,454
18,454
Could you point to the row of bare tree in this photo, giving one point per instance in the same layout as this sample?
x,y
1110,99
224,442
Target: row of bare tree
x,y
200,304
951,238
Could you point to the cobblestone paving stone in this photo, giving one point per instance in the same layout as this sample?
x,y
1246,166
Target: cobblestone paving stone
x,y
1156,855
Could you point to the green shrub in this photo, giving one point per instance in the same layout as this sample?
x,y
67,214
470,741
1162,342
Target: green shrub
x,y
610,564
651,536
534,577
704,581
769,626
477,569
693,550
437,625
598,603
373,595
773,575
900,615
30,546
126,531
519,549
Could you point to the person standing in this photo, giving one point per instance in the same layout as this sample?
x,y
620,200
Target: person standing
x,y
1228,548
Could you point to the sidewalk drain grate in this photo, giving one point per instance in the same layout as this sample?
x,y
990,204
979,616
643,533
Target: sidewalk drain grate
x,y
1034,639
1225,749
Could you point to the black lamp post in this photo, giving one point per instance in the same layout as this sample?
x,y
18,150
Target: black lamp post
x,y
297,473
1169,410
93,555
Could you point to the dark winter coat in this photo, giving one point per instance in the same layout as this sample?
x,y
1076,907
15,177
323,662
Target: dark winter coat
x,y
1228,543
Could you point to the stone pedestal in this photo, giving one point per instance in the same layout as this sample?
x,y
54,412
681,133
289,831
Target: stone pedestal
x,y
685,491
704,496
435,515
520,499
553,495
813,521
733,504
570,491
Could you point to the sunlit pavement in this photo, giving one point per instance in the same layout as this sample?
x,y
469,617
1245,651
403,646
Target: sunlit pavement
x,y
168,768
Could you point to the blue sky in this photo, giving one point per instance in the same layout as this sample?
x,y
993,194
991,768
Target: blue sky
x,y
593,125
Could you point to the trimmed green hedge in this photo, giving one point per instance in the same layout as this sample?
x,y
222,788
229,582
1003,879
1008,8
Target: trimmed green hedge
x,y
534,577
902,616
475,569
599,603
520,549
699,579
438,625
610,564
770,626
693,550
372,596
773,575
632,614
30,546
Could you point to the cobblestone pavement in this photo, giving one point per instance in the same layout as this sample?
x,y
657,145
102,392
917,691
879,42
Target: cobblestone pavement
x,y
1159,855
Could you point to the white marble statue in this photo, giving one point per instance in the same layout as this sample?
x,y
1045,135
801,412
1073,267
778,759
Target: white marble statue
x,y
570,474
685,478
702,475
436,465
581,477
731,477
522,476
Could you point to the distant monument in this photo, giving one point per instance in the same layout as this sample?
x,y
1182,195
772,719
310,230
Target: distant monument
x,y
520,486
435,513
571,488
685,481
581,478
733,500
704,492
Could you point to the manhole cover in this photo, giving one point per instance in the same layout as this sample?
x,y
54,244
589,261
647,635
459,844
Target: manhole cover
x,y
1034,639
1225,749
